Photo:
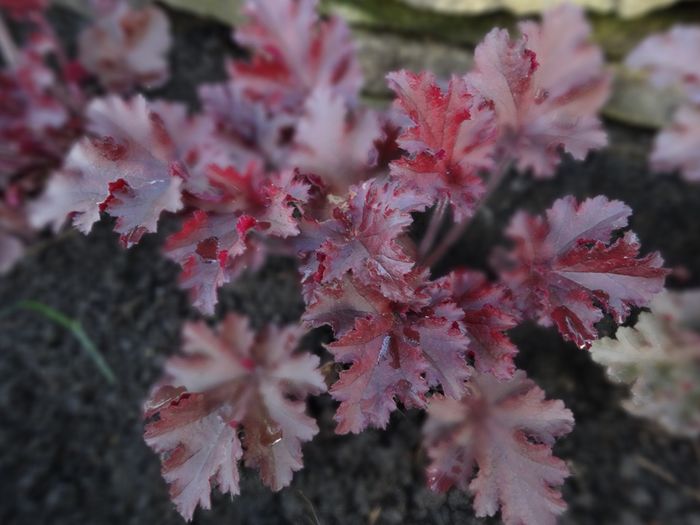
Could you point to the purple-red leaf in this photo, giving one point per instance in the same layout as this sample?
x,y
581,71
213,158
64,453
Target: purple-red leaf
x,y
36,124
127,168
506,429
452,138
365,238
334,143
246,207
566,269
488,315
339,304
677,147
385,368
201,449
546,88
294,52
230,383
670,59
394,353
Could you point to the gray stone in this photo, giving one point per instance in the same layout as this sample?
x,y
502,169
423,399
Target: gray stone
x,y
380,53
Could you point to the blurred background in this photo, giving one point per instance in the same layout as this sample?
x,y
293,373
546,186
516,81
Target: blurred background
x,y
71,441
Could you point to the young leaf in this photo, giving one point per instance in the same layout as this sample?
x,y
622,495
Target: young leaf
x,y
215,247
566,268
249,127
384,369
211,252
507,430
364,237
452,138
232,395
340,303
389,359
196,142
395,352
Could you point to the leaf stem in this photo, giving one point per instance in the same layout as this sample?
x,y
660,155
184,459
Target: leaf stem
x,y
459,228
436,220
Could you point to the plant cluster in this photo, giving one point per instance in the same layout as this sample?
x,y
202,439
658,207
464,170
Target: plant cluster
x,y
283,158
43,98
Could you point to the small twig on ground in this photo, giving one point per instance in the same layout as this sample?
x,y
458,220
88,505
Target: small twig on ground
x,y
73,326
8,48
314,517
374,515
665,475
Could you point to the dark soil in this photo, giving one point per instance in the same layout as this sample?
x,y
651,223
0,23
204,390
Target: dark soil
x,y
71,442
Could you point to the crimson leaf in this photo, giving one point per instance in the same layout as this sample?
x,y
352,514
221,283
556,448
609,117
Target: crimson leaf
x,y
452,137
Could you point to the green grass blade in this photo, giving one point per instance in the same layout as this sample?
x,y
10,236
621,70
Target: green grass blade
x,y
74,327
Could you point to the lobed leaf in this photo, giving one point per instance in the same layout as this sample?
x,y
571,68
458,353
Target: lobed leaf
x,y
396,351
36,125
217,246
334,143
232,395
546,88
506,429
126,47
127,168
676,146
659,358
364,238
294,52
488,315
452,137
566,269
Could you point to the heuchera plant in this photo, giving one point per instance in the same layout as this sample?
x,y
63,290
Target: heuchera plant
x,y
43,98
284,159
660,359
